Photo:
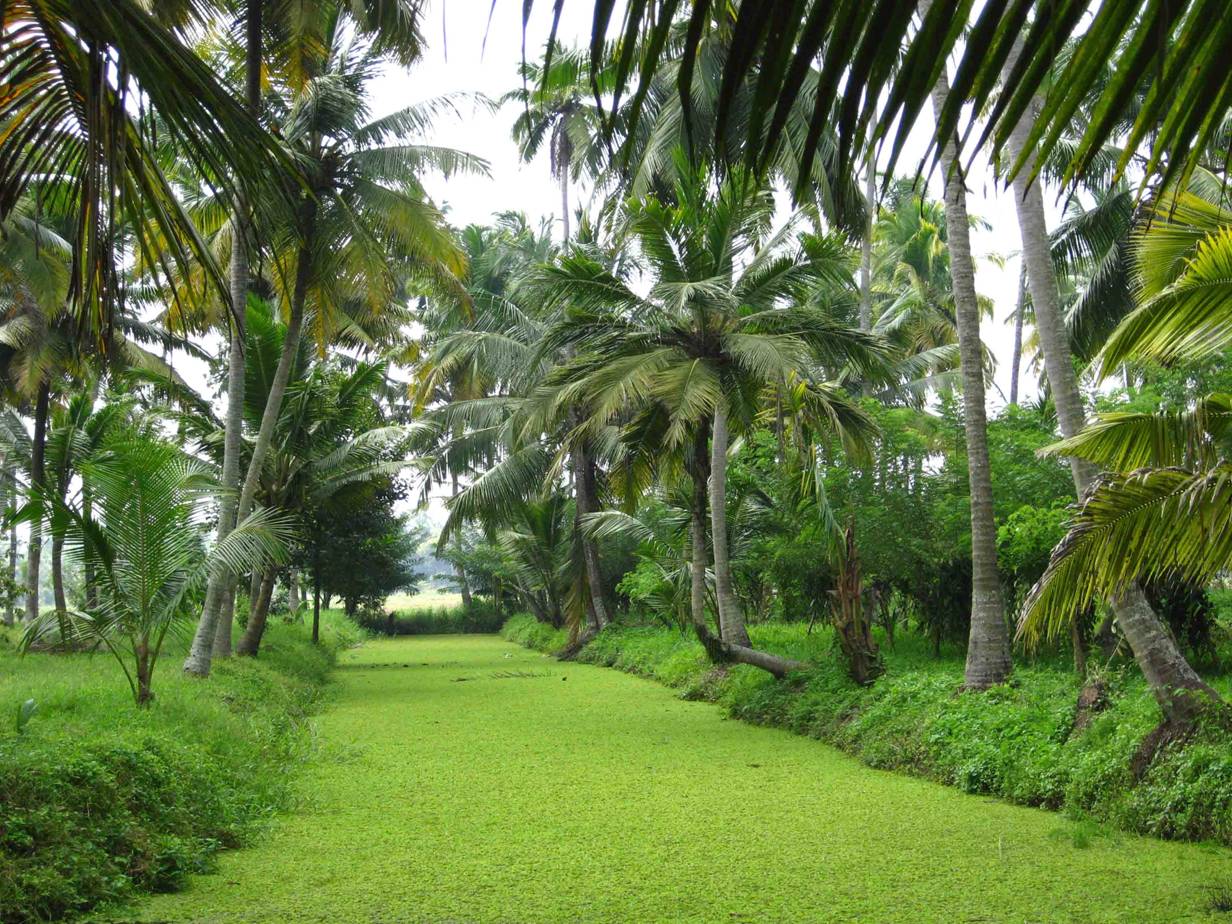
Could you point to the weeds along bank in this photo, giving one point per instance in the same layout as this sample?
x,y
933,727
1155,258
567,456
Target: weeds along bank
x,y
100,800
480,617
1016,741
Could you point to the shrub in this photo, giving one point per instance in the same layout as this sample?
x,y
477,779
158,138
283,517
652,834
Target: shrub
x,y
99,801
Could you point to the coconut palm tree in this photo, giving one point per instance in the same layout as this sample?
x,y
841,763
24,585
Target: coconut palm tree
x,y
360,230
558,105
724,322
1158,510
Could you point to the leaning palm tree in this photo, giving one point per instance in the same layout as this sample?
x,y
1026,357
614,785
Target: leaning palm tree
x,y
143,537
725,321
1156,651
1160,510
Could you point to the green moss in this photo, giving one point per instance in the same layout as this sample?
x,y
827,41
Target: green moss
x,y
466,779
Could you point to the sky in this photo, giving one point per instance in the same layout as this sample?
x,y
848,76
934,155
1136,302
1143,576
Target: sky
x,y
467,53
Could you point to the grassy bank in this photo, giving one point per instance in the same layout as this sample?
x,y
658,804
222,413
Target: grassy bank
x,y
1014,742
100,800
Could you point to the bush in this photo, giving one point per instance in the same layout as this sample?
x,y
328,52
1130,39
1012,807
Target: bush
x,y
99,801
481,616
1013,741
527,630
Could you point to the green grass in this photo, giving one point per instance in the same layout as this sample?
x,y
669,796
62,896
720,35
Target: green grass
x,y
99,800
463,778
1013,742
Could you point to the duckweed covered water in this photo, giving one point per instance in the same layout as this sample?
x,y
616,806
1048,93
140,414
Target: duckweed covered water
x,y
466,779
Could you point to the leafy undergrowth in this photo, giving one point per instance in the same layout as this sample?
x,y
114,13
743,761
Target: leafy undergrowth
x,y
100,800
465,779
1014,741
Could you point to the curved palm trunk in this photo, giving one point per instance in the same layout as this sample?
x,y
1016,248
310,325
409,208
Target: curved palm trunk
x,y
1172,680
34,550
220,590
250,642
988,648
731,619
719,650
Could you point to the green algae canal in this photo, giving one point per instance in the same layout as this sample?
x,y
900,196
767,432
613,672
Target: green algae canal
x,y
464,779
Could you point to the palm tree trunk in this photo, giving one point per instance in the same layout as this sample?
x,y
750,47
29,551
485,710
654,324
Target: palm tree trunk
x,y
89,578
316,607
282,374
564,200
988,648
464,586
718,649
293,590
250,642
1016,358
866,246
38,449
586,503
220,590
10,615
731,619
10,476
1171,678
225,630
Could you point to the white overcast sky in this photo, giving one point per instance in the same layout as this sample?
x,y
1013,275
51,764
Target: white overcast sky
x,y
457,60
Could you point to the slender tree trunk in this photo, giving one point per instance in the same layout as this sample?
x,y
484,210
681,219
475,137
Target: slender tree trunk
x,y
564,200
587,502
1171,678
293,589
220,590
1016,358
731,619
10,616
250,642
866,246
34,549
89,578
10,474
988,648
282,373
316,607
460,572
